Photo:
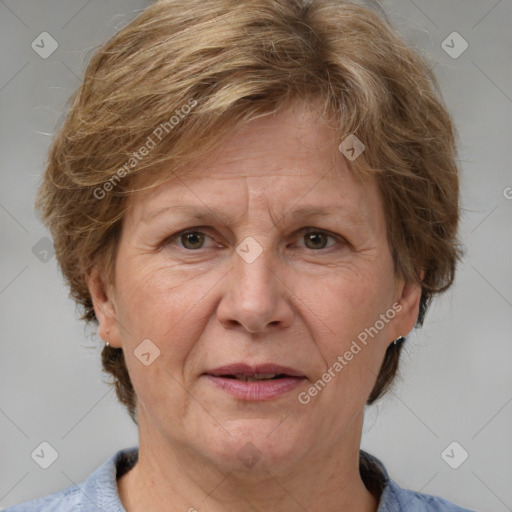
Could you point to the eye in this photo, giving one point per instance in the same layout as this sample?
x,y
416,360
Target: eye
x,y
194,239
191,240
317,239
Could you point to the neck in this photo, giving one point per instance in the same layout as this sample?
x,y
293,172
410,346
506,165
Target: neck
x,y
174,478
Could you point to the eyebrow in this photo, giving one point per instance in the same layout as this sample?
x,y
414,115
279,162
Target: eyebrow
x,y
303,212
192,211
344,212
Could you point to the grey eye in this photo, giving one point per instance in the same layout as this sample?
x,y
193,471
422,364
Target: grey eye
x,y
192,239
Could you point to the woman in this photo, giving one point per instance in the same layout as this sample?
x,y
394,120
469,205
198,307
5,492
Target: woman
x,y
255,201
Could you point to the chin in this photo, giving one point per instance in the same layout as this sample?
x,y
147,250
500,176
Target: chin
x,y
258,446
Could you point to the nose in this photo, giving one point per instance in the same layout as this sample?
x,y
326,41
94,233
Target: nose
x,y
256,298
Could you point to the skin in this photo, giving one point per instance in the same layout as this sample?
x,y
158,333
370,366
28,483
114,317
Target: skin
x,y
299,304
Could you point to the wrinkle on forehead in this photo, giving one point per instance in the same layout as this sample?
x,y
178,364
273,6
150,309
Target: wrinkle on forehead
x,y
246,202
263,155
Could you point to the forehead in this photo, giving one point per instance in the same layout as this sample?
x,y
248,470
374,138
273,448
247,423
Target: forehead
x,y
295,141
286,159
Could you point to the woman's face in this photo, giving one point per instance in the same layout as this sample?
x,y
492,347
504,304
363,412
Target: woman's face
x,y
270,251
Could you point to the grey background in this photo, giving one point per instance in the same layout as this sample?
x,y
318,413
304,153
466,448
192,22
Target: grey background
x,y
456,383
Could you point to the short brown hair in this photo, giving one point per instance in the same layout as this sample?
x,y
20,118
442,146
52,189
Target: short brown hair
x,y
231,61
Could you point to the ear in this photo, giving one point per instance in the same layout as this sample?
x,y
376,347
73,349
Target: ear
x,y
104,307
408,296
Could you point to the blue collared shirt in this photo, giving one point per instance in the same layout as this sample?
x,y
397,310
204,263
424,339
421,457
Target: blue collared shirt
x,y
99,491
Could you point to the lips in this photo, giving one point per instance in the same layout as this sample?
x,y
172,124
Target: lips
x,y
242,370
255,383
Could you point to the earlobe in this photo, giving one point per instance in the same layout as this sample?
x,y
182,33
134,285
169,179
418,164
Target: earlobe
x,y
104,308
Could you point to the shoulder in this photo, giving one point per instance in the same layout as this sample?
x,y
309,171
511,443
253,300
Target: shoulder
x,y
98,492
67,500
394,498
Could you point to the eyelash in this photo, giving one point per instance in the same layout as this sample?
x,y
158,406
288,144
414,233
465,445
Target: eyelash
x,y
304,232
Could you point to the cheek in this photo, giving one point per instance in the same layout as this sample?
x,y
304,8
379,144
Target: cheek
x,y
346,302
164,305
348,329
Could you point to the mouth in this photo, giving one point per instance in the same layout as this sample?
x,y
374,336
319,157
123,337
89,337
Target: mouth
x,y
255,383
257,377
262,371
